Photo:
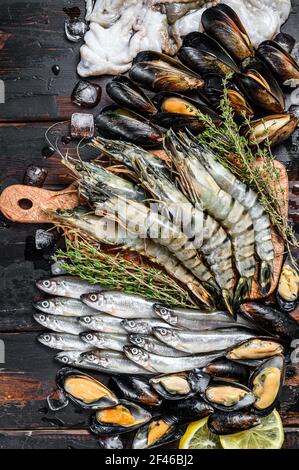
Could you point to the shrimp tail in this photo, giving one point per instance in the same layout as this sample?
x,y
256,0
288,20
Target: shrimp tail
x,y
265,277
228,298
202,294
242,291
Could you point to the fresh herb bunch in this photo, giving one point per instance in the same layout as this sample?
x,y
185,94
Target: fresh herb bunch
x,y
233,151
112,270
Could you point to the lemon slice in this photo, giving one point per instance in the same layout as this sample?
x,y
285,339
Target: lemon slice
x,y
267,435
198,436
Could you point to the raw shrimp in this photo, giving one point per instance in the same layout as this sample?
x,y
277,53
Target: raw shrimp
x,y
202,189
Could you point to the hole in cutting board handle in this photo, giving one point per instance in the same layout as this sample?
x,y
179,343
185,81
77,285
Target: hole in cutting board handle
x,y
25,204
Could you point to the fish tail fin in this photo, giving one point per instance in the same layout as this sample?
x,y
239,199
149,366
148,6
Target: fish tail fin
x,y
228,297
242,291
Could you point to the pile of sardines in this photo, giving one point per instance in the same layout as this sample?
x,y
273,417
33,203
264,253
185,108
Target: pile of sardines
x,y
193,85
167,366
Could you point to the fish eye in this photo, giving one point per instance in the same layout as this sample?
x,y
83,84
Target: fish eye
x,y
139,340
87,319
89,336
90,357
42,318
65,359
45,303
47,338
163,331
131,323
46,283
93,297
163,311
135,351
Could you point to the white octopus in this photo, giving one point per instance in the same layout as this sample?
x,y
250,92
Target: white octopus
x,y
119,29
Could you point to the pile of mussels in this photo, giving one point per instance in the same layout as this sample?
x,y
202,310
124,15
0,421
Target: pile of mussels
x,y
259,80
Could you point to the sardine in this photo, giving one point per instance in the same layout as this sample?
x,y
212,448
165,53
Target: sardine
x,y
195,342
67,286
163,365
60,324
112,362
113,341
63,341
141,326
152,345
73,358
102,323
198,319
64,306
119,304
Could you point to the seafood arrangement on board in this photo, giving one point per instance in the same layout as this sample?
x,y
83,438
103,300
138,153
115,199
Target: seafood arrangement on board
x,y
180,271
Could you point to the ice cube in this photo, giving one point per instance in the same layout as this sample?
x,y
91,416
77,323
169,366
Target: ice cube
x,y
82,126
86,94
35,176
44,239
57,268
75,29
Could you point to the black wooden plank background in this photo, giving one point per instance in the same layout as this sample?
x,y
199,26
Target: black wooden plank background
x,y
32,41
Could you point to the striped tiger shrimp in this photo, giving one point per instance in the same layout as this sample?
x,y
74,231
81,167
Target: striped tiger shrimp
x,y
206,234
147,223
95,175
249,199
202,188
106,230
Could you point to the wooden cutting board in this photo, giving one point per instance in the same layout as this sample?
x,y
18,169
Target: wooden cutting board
x,y
27,204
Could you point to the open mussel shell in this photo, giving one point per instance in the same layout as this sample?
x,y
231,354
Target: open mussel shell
x,y
84,390
281,63
178,122
274,129
226,396
222,423
174,103
136,389
124,417
270,320
258,91
158,432
159,72
122,124
225,369
266,383
180,385
288,286
203,54
191,409
223,24
254,350
128,95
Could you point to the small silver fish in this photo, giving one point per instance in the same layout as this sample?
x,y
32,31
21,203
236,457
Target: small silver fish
x,y
163,364
60,324
119,304
113,341
112,362
152,345
202,342
64,306
102,323
142,326
199,320
73,358
67,286
63,341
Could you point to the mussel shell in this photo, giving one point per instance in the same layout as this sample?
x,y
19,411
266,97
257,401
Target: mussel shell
x,y
222,423
282,64
285,305
227,370
180,386
178,122
159,72
266,402
223,24
274,129
203,54
173,432
226,387
128,95
136,389
121,124
248,353
191,409
286,41
258,94
66,374
288,285
100,427
271,320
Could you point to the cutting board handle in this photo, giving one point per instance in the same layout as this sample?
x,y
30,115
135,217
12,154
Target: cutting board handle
x,y
28,204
